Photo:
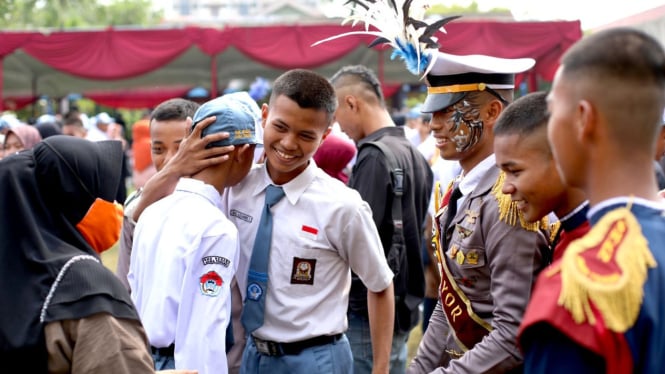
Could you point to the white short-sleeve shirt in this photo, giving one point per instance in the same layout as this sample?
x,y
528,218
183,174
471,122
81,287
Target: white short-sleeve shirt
x,y
321,230
184,256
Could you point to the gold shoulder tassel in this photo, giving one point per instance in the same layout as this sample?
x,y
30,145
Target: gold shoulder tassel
x,y
508,211
607,268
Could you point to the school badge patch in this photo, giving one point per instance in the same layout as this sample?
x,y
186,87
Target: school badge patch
x,y
254,291
211,283
303,271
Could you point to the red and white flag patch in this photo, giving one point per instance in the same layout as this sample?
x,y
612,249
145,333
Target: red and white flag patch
x,y
309,232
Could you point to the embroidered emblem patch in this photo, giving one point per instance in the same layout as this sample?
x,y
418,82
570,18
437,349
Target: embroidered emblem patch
x,y
472,257
453,251
303,271
460,257
240,215
309,232
463,231
471,216
254,291
211,283
212,260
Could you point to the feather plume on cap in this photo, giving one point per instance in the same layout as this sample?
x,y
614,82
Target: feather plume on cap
x,y
399,23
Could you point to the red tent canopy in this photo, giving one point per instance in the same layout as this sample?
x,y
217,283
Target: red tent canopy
x,y
169,60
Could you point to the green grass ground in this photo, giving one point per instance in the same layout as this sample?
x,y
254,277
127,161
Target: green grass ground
x,y
110,258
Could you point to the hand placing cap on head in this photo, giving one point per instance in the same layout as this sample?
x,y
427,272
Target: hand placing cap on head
x,y
452,77
236,113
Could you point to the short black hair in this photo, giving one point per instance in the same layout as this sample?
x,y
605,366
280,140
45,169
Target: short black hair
x,y
308,89
361,75
174,109
524,116
72,120
623,70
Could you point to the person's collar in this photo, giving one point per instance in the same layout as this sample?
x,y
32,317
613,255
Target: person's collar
x,y
471,179
598,210
292,189
575,217
200,188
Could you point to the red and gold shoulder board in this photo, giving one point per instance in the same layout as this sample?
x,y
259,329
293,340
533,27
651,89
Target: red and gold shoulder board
x,y
606,269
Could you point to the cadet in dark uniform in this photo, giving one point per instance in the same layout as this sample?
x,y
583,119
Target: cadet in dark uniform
x,y
606,105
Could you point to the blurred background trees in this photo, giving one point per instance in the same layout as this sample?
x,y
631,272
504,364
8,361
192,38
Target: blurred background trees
x,y
65,14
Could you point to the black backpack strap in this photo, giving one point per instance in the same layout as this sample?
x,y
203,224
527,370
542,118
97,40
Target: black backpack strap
x,y
397,176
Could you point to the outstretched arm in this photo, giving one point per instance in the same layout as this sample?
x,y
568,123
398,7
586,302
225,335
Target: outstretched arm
x,y
192,156
381,310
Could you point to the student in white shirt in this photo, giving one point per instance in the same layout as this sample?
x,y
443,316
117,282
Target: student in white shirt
x,y
321,231
185,251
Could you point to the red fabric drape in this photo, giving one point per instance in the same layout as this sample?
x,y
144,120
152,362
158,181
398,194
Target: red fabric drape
x,y
109,54
17,102
117,54
288,47
543,41
210,41
137,99
11,41
390,89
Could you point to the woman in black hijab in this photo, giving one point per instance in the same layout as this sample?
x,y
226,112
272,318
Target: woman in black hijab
x,y
61,310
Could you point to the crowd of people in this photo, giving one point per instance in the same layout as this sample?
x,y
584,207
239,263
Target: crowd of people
x,y
312,234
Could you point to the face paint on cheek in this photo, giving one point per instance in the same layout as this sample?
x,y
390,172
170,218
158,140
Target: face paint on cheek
x,y
466,126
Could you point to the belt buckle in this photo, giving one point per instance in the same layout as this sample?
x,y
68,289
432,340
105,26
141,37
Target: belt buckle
x,y
266,347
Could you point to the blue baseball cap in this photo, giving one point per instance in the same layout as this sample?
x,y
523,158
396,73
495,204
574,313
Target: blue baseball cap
x,y
236,113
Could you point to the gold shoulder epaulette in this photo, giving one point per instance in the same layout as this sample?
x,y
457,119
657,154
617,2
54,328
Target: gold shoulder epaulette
x,y
604,272
508,211
552,227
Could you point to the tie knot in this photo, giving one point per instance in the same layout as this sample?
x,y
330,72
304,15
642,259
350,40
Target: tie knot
x,y
273,195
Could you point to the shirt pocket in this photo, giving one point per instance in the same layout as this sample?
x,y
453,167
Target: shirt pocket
x,y
466,256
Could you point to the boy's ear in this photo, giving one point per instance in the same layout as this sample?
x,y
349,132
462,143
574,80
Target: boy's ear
x,y
494,109
587,121
264,114
243,151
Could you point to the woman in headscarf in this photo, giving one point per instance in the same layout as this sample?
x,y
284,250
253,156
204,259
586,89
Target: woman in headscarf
x,y
61,310
19,138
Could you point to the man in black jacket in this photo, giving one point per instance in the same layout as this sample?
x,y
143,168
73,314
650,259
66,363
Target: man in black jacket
x,y
363,116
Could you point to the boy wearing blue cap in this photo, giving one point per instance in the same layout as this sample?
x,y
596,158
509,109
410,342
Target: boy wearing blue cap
x,y
296,298
185,250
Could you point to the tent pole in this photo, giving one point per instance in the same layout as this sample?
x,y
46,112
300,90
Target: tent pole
x,y
213,77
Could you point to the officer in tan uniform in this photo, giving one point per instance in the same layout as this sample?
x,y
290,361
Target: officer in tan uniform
x,y
488,255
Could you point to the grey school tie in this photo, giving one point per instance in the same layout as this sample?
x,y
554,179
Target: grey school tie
x,y
257,277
